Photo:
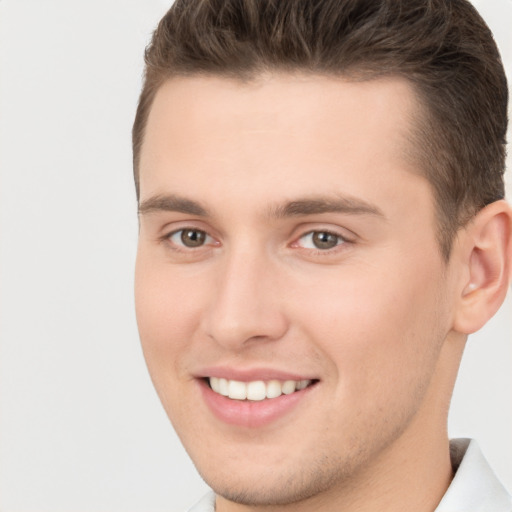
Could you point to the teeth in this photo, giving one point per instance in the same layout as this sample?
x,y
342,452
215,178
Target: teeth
x,y
237,390
274,389
289,387
223,387
256,390
303,384
214,384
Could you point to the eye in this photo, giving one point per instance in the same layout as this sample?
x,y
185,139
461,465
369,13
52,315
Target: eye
x,y
190,238
322,240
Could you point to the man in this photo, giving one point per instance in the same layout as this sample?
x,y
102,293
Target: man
x,y
322,224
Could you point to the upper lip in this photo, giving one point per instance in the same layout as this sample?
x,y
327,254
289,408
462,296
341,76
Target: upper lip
x,y
252,374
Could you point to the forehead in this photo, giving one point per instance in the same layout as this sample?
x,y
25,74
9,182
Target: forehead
x,y
277,134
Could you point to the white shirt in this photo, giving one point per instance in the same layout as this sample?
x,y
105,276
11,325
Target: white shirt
x,y
474,488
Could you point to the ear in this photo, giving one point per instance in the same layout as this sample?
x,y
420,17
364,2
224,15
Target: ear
x,y
486,257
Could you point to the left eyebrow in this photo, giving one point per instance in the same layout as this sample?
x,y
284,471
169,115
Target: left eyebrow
x,y
172,203
317,205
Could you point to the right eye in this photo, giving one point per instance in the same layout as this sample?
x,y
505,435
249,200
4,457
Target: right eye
x,y
190,238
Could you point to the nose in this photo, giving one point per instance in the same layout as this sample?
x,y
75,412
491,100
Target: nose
x,y
245,306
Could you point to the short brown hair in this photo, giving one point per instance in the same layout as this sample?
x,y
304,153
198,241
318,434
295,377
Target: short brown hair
x,y
443,47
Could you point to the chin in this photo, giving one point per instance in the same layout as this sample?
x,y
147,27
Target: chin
x,y
273,488
262,482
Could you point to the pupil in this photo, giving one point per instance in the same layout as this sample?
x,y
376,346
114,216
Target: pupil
x,y
324,240
193,238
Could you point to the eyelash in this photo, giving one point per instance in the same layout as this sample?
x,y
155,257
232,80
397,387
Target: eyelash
x,y
180,247
341,240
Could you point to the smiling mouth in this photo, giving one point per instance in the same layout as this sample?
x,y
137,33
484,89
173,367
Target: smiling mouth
x,y
256,390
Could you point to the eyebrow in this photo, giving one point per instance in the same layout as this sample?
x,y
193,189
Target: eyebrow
x,y
317,205
296,208
172,203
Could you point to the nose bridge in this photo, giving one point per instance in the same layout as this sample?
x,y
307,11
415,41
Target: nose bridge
x,y
244,304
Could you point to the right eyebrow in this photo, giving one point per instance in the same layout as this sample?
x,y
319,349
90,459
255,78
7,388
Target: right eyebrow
x,y
171,203
325,204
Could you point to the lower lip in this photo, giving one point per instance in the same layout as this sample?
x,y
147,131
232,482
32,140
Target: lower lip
x,y
248,413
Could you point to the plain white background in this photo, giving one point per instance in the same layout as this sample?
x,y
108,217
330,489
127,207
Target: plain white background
x,y
81,429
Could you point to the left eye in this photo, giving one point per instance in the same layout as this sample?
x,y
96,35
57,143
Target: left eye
x,y
322,240
190,238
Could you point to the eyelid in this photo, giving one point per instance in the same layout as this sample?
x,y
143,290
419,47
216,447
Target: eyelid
x,y
340,237
313,227
164,223
346,239
178,246
165,229
176,232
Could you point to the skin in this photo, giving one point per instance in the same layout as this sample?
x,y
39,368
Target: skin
x,y
378,319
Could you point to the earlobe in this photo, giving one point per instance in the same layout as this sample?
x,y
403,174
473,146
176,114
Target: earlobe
x,y
487,255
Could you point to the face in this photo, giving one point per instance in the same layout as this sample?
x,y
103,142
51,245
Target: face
x,y
291,297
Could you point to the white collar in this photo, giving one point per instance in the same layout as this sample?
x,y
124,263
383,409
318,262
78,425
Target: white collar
x,y
475,487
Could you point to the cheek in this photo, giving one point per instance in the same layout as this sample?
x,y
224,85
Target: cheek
x,y
167,308
380,330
